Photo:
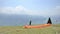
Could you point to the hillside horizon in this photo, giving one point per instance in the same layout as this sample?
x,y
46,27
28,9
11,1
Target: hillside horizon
x,y
19,20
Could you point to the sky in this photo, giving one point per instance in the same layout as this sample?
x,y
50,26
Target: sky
x,y
30,7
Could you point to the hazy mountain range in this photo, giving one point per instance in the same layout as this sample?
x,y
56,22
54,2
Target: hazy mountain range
x,y
17,20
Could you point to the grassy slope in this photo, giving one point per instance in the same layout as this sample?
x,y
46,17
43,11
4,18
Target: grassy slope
x,y
54,29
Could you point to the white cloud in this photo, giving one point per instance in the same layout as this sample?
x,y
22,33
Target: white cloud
x,y
13,10
56,10
21,10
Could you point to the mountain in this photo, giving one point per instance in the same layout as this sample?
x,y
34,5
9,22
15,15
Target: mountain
x,y
15,20
19,20
56,19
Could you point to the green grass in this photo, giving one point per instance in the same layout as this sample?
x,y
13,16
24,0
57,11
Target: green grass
x,y
54,29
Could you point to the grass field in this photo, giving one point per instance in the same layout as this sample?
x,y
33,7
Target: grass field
x,y
54,29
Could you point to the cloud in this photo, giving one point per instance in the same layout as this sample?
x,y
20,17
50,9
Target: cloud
x,y
13,10
19,10
22,10
16,10
56,10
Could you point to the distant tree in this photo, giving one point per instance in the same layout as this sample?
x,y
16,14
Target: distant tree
x,y
30,22
49,21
